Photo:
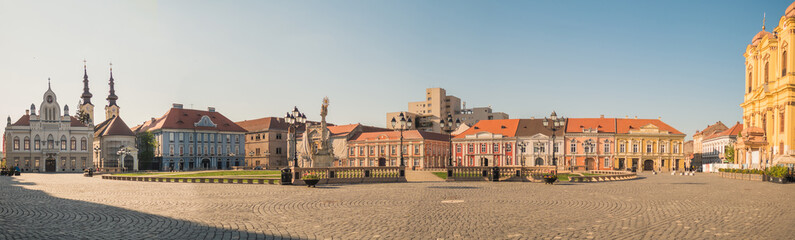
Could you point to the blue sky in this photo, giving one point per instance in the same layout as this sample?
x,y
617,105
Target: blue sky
x,y
679,60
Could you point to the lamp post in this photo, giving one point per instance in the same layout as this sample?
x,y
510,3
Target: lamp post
x,y
522,146
98,151
294,118
449,127
122,152
554,123
405,124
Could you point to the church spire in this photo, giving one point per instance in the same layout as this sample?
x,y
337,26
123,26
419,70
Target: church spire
x,y
86,94
112,97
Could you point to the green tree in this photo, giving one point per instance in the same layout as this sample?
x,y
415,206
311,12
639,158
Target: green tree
x,y
146,149
728,153
83,117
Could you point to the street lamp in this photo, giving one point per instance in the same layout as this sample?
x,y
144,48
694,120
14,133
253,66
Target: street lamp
x,y
405,124
294,118
522,146
554,123
122,152
97,151
449,127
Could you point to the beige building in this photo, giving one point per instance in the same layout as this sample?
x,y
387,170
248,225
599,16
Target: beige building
x,y
266,141
437,106
698,142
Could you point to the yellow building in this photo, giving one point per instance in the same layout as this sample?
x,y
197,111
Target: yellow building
x,y
649,145
769,103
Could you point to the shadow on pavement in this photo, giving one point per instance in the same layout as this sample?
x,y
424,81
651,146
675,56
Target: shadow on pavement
x,y
33,214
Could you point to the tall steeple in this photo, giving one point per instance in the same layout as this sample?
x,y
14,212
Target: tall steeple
x,y
86,94
111,109
112,97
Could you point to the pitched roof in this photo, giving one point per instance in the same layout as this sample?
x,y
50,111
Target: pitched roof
x,y
711,129
346,129
624,125
25,121
262,124
114,126
506,127
530,127
395,135
180,118
602,125
733,131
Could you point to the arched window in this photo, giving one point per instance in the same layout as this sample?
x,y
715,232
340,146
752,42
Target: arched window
x,y
37,143
50,142
784,64
27,143
750,82
16,143
83,144
767,68
73,144
63,142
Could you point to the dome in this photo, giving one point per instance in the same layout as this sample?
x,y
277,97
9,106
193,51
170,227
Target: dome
x,y
759,37
790,12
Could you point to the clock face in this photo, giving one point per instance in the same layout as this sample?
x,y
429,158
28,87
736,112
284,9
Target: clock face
x,y
49,99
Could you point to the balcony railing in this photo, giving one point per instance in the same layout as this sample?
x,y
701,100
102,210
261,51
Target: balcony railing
x,y
351,174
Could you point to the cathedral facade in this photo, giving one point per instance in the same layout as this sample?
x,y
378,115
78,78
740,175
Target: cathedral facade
x,y
48,140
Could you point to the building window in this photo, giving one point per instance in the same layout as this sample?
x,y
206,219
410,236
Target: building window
x,y
662,148
483,148
351,152
767,71
507,147
404,150
382,150
16,143
555,148
394,149
676,147
181,137
622,147
36,143
634,147
587,147
63,142
495,148
458,148
607,162
181,150
784,63
607,146
417,149
228,139
190,137
83,144
471,148
170,137
278,150
278,136
171,150
372,151
781,120
27,143
648,147
750,82
573,147
361,151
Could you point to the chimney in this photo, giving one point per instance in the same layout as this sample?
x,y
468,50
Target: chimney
x,y
210,109
602,116
27,112
626,116
177,105
636,117
659,118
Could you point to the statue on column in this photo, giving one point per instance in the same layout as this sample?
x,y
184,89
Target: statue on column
x,y
318,141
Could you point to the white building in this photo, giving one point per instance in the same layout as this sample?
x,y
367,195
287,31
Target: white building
x,y
714,146
48,140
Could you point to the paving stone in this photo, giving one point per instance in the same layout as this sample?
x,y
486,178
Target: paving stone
x,y
69,206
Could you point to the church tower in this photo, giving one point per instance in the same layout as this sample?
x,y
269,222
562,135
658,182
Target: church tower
x,y
85,105
111,109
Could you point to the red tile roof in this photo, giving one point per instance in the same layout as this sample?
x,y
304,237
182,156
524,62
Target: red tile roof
x,y
733,131
395,135
114,126
346,129
506,127
602,125
624,125
179,118
711,129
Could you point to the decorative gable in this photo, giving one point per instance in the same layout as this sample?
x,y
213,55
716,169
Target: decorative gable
x,y
205,122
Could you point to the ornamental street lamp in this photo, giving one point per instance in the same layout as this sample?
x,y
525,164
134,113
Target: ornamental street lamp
x,y
294,118
522,146
405,124
97,152
554,123
449,127
121,153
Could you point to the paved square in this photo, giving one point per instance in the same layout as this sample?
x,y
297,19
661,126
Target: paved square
x,y
68,206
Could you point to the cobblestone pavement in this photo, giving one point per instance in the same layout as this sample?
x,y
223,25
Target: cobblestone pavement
x,y
69,206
